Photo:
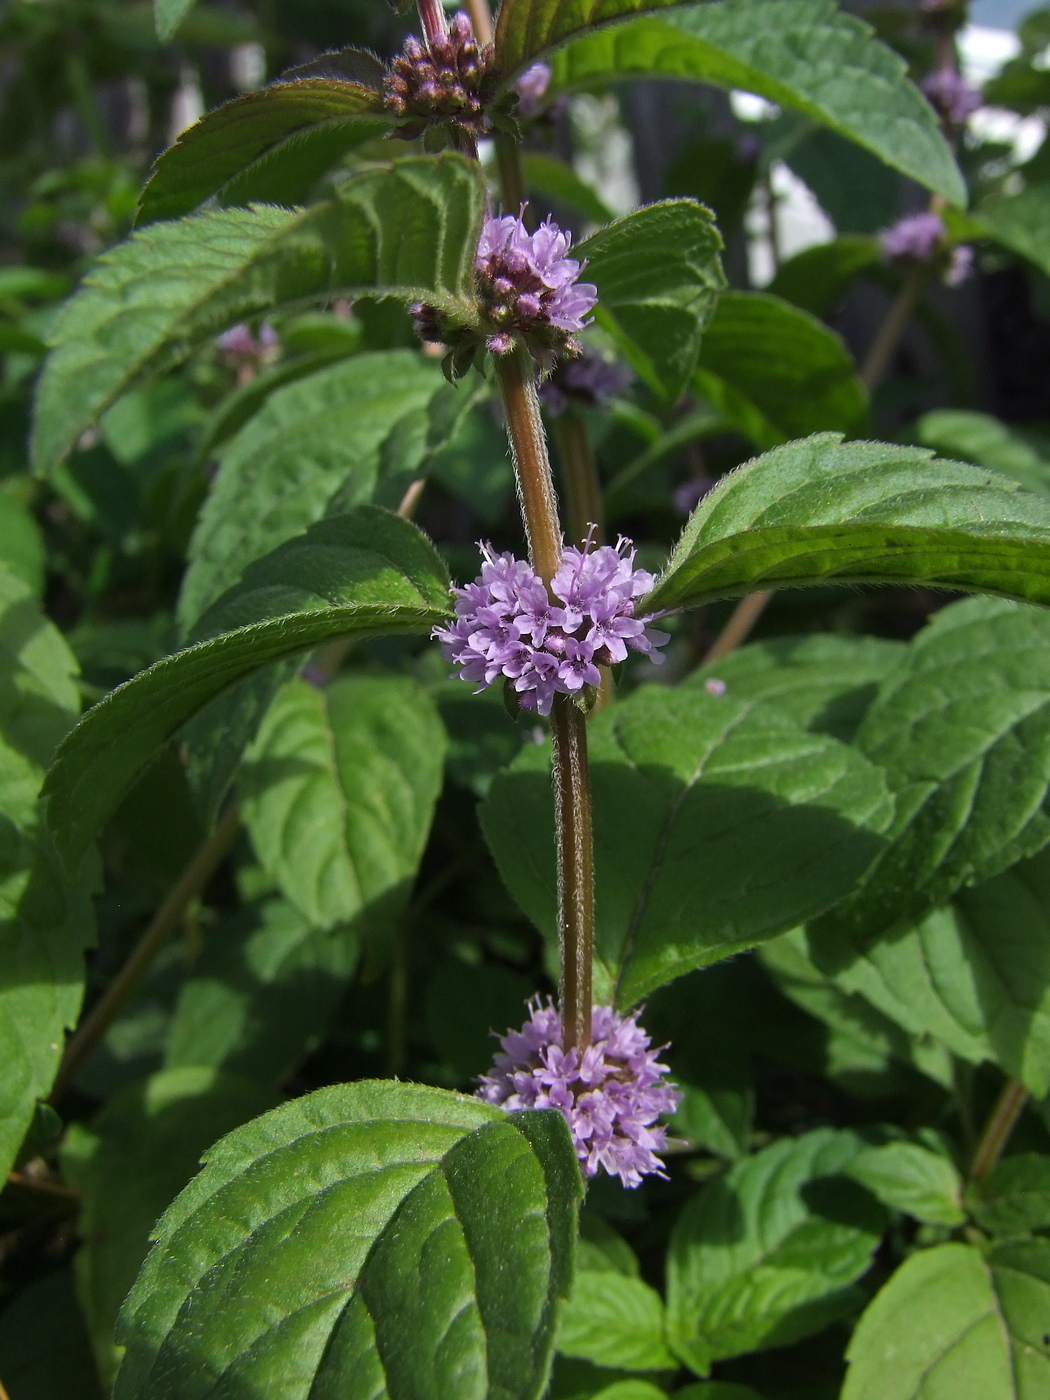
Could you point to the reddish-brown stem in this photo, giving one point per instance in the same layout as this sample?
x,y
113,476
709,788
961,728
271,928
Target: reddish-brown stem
x,y
1001,1122
539,505
432,18
738,628
893,327
572,815
579,471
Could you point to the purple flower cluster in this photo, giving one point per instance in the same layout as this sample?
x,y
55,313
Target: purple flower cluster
x,y
241,348
951,95
610,1095
451,81
528,284
531,87
591,380
507,624
922,238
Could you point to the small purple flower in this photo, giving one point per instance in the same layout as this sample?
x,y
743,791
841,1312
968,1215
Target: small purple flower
x,y
961,265
547,643
241,349
610,1096
530,88
591,380
951,95
714,686
528,283
915,238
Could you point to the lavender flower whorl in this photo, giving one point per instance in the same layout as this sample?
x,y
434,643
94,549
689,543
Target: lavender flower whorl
x,y
610,1095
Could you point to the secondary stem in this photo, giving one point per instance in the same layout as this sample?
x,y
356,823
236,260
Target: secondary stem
x,y
198,872
738,628
1001,1122
583,492
572,791
892,328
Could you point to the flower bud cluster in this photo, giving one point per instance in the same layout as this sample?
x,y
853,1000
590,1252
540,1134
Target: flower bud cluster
x,y
951,96
610,1095
591,380
921,239
508,625
452,81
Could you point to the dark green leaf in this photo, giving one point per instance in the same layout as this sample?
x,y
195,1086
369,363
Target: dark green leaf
x,y
1021,223
811,57
1014,1199
961,728
912,1178
317,439
45,1353
262,994
775,372
465,1004
407,230
526,28
686,787
338,793
767,1253
855,189
367,1239
614,1321
658,275
129,1164
823,511
817,278
274,142
954,1322
362,574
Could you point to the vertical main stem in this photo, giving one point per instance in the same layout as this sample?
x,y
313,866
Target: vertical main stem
x,y
572,789
572,815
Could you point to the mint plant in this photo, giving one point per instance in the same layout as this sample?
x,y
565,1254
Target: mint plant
x,y
625,974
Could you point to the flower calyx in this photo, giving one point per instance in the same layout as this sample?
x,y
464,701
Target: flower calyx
x,y
451,82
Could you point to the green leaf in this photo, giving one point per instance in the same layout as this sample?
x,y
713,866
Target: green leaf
x,y
338,794
44,1349
614,1321
985,441
961,729
1014,1199
812,58
767,1253
367,1239
321,438
366,573
912,1178
658,275
686,787
824,682
817,278
407,230
168,15
1020,222
824,511
553,179
717,1390
775,372
22,544
269,145
954,1322
262,994
129,1165
525,29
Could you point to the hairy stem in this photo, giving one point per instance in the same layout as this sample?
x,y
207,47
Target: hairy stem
x,y
511,175
572,815
198,872
432,18
893,327
738,628
480,20
572,790
1001,1122
579,472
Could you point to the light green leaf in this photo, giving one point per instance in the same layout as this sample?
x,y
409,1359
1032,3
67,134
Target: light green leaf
x,y
525,29
129,1164
368,1239
262,994
168,15
817,278
824,511
268,146
809,56
21,544
912,1178
824,682
987,442
686,787
767,1253
407,230
320,438
954,1322
774,372
366,573
1014,1199
961,729
614,1321
338,793
1020,222
658,275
